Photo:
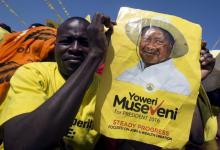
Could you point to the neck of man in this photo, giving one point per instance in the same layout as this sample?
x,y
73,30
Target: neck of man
x,y
151,64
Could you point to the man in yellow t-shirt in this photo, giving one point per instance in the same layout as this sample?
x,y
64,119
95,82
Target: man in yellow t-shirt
x,y
50,105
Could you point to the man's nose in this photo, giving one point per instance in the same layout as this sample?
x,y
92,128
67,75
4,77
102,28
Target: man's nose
x,y
150,45
75,45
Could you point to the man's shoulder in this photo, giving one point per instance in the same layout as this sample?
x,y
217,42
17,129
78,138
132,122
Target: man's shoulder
x,y
40,65
130,73
38,68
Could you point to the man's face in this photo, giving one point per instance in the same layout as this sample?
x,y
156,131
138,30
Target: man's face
x,y
71,46
154,46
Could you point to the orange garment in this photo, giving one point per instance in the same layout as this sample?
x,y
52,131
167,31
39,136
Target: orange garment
x,y
23,47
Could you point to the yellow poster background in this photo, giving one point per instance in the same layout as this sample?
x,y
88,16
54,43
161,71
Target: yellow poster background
x,y
128,111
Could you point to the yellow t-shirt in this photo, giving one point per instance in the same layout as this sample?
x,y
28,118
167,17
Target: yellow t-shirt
x,y
33,84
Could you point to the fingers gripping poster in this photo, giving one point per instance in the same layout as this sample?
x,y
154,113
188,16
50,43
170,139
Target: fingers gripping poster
x,y
150,84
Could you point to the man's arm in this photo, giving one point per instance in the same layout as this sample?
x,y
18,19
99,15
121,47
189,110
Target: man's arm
x,y
46,125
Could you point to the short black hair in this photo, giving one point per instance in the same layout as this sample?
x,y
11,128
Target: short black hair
x,y
168,34
83,20
6,27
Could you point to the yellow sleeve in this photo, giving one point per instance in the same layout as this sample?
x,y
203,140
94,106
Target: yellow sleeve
x,y
26,93
211,129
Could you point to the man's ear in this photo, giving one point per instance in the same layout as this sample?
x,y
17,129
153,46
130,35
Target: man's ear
x,y
170,48
171,45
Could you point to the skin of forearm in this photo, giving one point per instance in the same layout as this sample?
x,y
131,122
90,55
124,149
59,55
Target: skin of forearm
x,y
197,129
48,123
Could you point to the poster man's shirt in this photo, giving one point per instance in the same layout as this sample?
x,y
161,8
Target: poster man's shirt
x,y
162,76
33,84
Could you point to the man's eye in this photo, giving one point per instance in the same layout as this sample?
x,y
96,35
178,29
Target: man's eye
x,y
84,43
159,42
64,42
146,40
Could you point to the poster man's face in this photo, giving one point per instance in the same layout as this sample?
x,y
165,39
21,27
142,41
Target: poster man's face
x,y
154,46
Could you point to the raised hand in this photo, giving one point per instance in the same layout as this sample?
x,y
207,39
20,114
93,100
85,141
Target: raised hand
x,y
98,38
207,61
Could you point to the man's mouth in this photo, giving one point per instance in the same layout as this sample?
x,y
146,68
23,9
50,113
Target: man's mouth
x,y
74,59
150,52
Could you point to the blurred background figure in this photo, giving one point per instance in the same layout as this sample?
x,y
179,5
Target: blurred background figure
x,y
32,45
212,83
4,29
